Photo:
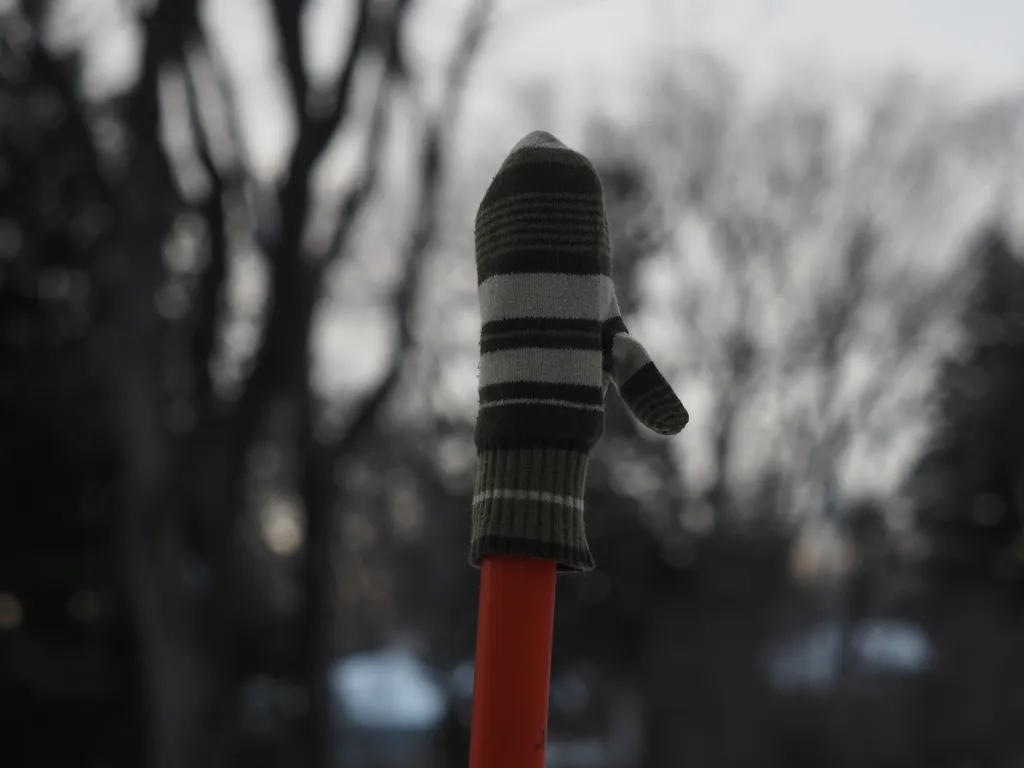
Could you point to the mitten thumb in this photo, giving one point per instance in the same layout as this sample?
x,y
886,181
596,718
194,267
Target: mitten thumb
x,y
643,389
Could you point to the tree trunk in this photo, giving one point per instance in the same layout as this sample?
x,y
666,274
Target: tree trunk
x,y
183,681
166,591
318,586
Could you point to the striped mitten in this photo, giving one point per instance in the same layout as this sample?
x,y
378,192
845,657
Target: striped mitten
x,y
551,340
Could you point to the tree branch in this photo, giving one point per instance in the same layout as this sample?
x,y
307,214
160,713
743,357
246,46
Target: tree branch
x,y
361,190
288,14
209,295
283,356
315,132
143,220
222,82
149,529
432,163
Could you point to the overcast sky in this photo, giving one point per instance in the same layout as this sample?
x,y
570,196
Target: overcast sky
x,y
589,55
972,42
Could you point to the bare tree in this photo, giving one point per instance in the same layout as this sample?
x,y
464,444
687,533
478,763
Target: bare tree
x,y
802,316
185,442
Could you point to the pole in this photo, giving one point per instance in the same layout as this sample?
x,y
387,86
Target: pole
x,y
512,673
551,341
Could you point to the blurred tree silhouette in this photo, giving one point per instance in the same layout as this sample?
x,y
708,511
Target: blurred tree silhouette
x,y
781,271
64,634
105,190
968,486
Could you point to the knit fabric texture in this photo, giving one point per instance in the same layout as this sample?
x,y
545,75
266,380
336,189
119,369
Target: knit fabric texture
x,y
552,338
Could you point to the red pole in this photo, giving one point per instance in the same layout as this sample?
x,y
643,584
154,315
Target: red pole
x,y
512,672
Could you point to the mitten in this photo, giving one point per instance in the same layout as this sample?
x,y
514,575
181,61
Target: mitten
x,y
551,339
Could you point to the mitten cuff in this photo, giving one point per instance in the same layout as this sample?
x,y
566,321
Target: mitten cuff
x,y
528,502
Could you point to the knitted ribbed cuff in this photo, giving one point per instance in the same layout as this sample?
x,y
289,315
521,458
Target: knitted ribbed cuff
x,y
529,502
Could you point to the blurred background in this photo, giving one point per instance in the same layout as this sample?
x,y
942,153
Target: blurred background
x,y
238,349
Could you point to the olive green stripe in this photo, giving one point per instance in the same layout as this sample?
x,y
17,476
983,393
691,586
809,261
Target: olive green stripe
x,y
651,413
566,242
531,177
572,246
558,234
540,228
533,497
552,338
666,414
550,202
533,469
544,202
590,220
585,213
